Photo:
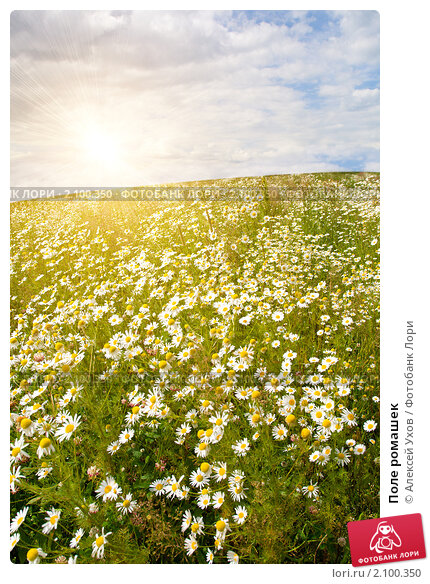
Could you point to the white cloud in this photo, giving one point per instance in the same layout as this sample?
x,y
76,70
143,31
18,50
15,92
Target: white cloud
x,y
189,95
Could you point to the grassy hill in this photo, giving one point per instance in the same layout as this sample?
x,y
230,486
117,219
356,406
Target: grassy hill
x,y
196,381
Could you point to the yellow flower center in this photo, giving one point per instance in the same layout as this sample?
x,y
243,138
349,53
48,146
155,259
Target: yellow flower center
x,y
108,489
69,428
204,467
25,423
53,519
32,554
310,488
220,525
100,541
16,451
45,443
126,503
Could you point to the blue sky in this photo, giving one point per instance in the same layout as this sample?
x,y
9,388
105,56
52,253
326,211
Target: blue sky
x,y
319,20
138,97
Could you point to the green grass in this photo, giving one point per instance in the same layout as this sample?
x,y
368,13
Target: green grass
x,y
315,260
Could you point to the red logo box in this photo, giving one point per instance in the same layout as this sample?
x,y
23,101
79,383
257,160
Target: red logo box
x,y
388,539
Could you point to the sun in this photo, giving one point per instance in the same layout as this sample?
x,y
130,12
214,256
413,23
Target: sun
x,y
100,147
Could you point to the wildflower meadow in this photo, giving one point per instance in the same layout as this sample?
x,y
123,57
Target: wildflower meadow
x,y
196,381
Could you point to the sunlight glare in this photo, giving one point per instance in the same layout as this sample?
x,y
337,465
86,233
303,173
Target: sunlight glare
x,y
100,147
